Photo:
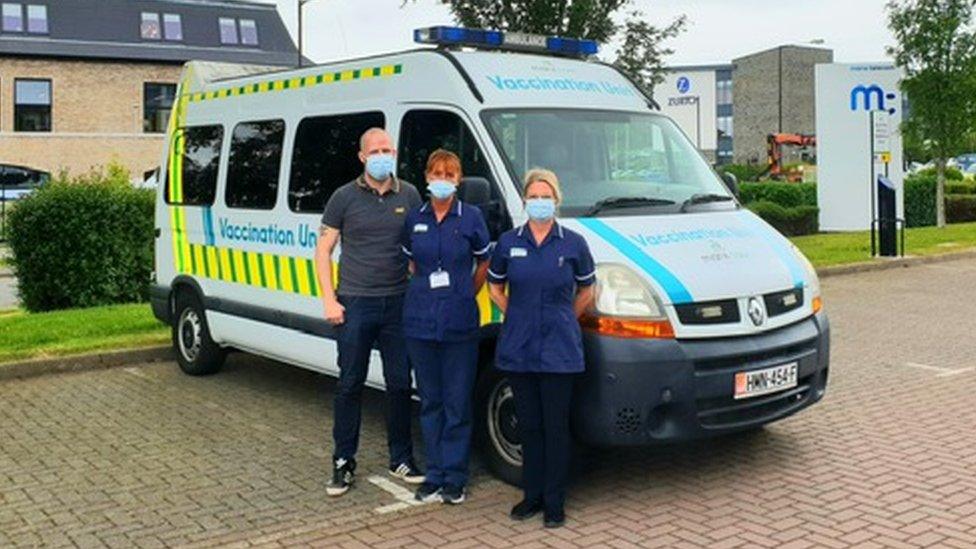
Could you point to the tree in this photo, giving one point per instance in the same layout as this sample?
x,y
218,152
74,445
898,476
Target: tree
x,y
641,55
936,48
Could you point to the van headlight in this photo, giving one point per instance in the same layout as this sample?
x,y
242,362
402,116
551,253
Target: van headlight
x,y
625,306
813,283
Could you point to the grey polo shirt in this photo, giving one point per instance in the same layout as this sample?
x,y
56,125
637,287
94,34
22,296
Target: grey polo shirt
x,y
370,262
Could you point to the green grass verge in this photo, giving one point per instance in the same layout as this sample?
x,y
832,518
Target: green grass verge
x,y
829,249
38,335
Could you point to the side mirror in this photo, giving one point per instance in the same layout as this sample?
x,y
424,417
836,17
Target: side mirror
x,y
475,191
731,183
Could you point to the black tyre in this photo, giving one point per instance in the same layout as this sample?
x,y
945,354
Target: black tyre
x,y
496,426
196,352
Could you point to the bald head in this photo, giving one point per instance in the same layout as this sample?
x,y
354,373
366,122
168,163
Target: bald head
x,y
374,140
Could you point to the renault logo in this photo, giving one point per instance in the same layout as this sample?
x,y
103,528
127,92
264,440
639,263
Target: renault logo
x,y
756,312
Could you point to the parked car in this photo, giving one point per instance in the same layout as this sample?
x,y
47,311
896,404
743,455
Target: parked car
x,y
17,182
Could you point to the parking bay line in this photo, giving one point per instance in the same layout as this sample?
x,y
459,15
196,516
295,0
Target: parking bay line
x,y
942,372
404,497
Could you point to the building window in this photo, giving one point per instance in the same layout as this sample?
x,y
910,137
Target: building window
x,y
255,160
150,26
325,157
13,18
723,94
32,105
249,32
725,126
228,31
37,19
172,26
157,103
200,152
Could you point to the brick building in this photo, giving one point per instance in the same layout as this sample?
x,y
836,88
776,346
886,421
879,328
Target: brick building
x,y
83,82
774,93
730,109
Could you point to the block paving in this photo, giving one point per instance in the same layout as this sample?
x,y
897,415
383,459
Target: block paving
x,y
145,456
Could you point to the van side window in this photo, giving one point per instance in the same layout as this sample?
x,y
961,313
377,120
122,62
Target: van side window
x,y
200,158
424,131
326,156
255,161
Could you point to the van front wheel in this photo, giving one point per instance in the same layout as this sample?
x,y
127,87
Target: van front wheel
x,y
497,426
196,352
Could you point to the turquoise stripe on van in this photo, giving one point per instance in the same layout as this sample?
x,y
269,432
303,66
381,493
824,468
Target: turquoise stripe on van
x,y
779,247
675,289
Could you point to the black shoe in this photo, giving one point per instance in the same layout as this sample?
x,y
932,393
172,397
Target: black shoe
x,y
554,519
427,493
453,495
525,509
343,475
407,472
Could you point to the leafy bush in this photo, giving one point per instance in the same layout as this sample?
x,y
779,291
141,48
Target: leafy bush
x,y
952,174
957,187
83,242
960,208
788,195
743,172
920,200
794,221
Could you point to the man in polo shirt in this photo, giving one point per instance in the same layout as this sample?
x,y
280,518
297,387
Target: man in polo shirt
x,y
367,214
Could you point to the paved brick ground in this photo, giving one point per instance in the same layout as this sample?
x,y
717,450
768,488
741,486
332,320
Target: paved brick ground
x,y
146,456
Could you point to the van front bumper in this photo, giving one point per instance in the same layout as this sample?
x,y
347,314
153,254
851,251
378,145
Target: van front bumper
x,y
644,391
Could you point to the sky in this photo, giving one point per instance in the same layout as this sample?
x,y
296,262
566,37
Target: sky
x,y
717,32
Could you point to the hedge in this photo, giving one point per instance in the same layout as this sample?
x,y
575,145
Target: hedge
x,y
960,208
789,195
83,242
744,172
794,221
920,201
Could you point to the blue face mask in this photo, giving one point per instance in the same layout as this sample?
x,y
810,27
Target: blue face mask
x,y
380,166
441,189
540,209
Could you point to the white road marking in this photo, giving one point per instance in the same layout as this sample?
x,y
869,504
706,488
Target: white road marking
x,y
404,497
942,372
137,373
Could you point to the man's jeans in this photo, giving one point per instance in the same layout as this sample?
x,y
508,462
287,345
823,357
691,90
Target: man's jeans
x,y
372,321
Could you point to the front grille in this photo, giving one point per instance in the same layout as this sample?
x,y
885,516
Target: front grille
x,y
780,355
709,312
783,302
628,421
728,412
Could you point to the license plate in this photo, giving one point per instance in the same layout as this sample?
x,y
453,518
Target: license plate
x,y
762,382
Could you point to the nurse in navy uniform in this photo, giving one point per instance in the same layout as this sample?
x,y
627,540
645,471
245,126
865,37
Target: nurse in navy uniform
x,y
447,243
549,273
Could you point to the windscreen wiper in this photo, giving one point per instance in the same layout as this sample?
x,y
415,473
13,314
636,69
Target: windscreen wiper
x,y
626,202
704,199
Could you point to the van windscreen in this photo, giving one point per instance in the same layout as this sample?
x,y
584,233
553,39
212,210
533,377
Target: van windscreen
x,y
604,155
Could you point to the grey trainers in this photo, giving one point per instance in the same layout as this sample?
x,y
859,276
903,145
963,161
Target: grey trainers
x,y
408,473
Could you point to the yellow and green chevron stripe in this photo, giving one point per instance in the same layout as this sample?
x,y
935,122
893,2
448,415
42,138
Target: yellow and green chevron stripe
x,y
309,81
261,270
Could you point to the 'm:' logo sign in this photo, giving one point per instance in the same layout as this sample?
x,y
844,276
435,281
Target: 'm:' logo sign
x,y
871,98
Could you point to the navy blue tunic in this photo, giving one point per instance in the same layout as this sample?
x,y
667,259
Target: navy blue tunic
x,y
448,313
541,333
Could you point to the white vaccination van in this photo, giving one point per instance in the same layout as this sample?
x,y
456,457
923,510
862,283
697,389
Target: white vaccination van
x,y
707,320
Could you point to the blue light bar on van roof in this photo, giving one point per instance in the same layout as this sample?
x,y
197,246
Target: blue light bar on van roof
x,y
498,40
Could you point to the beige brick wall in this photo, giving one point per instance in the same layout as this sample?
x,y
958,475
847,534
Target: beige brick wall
x,y
97,112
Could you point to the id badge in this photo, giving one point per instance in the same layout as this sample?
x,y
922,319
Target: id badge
x,y
440,279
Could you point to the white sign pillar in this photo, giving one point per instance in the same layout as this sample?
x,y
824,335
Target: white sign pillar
x,y
859,111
